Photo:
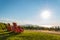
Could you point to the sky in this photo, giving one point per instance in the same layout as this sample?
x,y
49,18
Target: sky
x,y
37,12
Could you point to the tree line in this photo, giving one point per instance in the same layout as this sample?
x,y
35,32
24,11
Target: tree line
x,y
36,27
32,27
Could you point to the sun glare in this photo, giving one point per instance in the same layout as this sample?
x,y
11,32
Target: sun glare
x,y
45,14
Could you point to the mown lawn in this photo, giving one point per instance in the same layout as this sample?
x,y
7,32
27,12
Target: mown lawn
x,y
29,35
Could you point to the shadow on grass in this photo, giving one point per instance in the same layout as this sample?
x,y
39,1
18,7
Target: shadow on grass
x,y
6,35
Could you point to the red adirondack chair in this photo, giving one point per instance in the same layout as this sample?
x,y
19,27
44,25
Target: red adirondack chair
x,y
14,28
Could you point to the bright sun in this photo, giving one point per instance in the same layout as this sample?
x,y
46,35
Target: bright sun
x,y
45,14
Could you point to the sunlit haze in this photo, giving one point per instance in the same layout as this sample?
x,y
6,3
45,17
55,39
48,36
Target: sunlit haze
x,y
46,14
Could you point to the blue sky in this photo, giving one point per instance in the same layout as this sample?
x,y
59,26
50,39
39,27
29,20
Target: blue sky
x,y
29,11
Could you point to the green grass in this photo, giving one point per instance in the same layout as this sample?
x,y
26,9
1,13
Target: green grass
x,y
30,35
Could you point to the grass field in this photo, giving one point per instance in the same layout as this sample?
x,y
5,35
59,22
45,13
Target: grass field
x,y
29,35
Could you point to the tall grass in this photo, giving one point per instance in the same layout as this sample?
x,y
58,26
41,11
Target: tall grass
x,y
31,35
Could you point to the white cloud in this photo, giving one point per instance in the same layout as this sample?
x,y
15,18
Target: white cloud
x,y
19,22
